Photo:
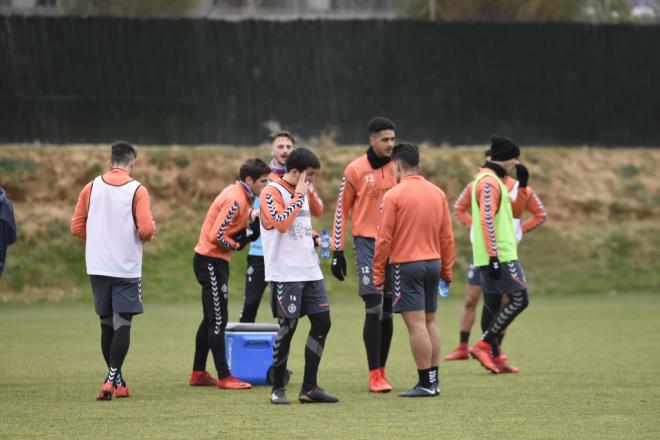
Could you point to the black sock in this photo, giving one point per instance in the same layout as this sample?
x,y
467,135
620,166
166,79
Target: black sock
x,y
314,348
435,374
518,302
372,330
118,350
217,346
465,337
500,338
107,332
281,349
201,347
424,377
386,331
119,380
494,348
491,307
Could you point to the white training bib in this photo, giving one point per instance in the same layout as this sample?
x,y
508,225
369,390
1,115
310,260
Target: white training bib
x,y
290,256
113,247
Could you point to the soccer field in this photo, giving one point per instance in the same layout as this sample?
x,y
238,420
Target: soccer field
x,y
588,370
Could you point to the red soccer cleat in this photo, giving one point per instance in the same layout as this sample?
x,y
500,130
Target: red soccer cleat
x,y
460,353
384,382
106,392
233,383
502,365
122,392
377,383
481,352
202,379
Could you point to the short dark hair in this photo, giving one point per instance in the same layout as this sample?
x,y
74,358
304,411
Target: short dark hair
x,y
380,123
301,158
408,154
281,133
253,167
122,153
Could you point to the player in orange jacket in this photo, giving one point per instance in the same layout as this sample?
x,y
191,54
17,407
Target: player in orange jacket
x,y
415,238
523,198
365,181
224,231
113,217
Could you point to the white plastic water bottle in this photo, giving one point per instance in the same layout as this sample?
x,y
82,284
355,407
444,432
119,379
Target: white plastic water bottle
x,y
325,244
443,289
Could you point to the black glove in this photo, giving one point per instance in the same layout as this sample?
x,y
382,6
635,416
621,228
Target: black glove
x,y
242,239
522,175
338,265
494,268
256,230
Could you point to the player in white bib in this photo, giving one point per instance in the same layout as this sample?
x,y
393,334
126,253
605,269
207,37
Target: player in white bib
x,y
292,267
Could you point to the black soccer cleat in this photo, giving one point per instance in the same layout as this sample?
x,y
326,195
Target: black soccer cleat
x,y
278,396
316,395
420,391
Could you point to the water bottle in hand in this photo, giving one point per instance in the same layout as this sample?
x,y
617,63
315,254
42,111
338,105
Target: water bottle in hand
x,y
443,289
325,244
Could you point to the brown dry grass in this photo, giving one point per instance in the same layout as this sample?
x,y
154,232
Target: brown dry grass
x,y
577,185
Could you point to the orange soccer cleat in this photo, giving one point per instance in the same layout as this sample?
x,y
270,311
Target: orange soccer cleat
x,y
502,365
233,383
481,352
122,392
202,379
106,392
377,383
460,353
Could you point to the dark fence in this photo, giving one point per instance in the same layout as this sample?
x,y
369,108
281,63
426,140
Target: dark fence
x,y
198,81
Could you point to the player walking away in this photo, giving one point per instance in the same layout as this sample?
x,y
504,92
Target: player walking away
x,y
523,198
292,267
416,236
114,218
365,181
7,227
223,232
281,145
494,251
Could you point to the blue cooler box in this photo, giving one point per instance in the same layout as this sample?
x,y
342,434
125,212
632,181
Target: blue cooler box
x,y
249,349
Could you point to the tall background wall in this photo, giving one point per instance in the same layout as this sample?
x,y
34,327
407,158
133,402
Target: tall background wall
x,y
191,81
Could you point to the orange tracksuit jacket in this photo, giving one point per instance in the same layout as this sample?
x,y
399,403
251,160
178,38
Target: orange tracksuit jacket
x,y
284,215
141,210
527,200
415,226
361,193
229,213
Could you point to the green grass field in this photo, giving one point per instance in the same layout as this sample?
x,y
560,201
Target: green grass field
x,y
589,370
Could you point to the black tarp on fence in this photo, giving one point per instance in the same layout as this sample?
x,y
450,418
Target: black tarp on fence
x,y
199,81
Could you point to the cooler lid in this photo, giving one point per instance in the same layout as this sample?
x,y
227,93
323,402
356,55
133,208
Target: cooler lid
x,y
251,327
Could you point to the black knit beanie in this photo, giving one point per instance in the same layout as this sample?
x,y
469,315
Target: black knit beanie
x,y
503,148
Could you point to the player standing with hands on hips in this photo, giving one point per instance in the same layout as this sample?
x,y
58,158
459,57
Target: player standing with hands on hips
x,y
416,239
494,249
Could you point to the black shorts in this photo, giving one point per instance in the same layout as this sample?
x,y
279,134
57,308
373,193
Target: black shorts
x,y
415,286
116,295
473,278
511,280
298,298
364,264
